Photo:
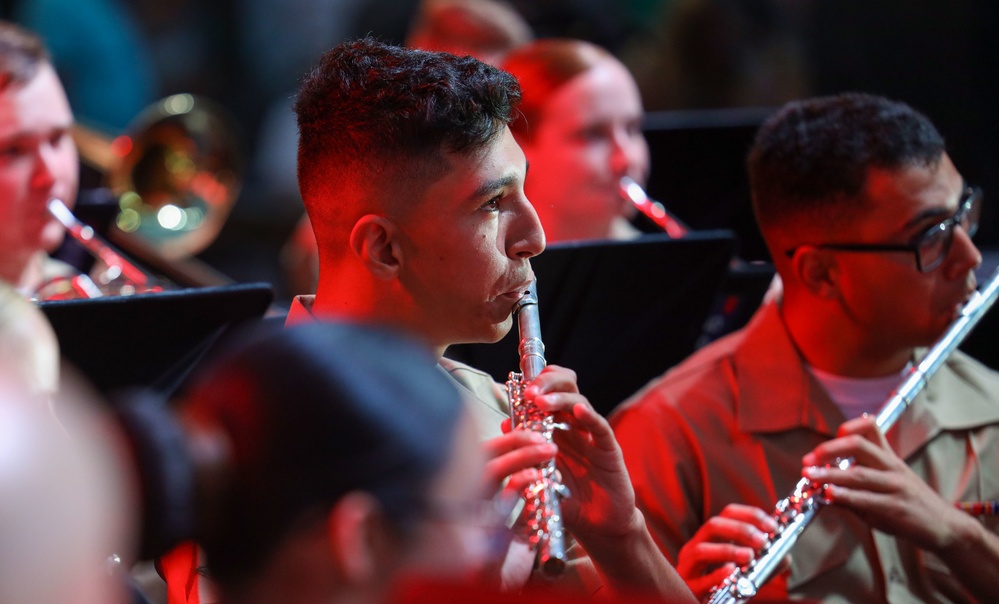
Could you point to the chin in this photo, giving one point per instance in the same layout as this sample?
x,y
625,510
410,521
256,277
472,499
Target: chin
x,y
52,236
932,336
497,331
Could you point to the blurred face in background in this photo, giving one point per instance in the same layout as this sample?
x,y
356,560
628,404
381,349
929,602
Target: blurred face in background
x,y
38,161
589,136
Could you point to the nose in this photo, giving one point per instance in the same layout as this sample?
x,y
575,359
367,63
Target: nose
x,y
525,237
43,174
629,154
619,157
964,255
622,154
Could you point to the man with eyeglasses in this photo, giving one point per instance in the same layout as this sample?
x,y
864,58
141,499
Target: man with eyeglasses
x,y
869,225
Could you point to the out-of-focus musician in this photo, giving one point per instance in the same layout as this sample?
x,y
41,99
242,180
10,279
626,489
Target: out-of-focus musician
x,y
580,125
38,161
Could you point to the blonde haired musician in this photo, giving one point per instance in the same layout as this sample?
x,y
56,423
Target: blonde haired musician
x,y
38,160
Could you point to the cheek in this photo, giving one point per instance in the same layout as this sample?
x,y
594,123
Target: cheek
x,y
482,263
906,307
13,190
640,156
52,235
471,264
593,155
448,551
68,172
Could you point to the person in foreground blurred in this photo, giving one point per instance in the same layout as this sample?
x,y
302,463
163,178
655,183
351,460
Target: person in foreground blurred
x,y
65,500
342,462
29,350
869,224
580,126
38,161
415,187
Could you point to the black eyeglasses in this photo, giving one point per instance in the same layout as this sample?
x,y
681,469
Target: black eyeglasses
x,y
931,246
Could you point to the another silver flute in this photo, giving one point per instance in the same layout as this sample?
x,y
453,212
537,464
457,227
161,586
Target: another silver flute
x,y
543,509
795,512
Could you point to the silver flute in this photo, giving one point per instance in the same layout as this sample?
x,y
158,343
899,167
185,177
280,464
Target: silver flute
x,y
795,512
543,507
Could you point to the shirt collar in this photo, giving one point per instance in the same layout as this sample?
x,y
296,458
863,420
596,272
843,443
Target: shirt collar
x,y
301,311
775,391
959,396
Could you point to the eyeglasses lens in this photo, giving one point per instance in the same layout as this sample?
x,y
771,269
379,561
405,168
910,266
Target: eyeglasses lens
x,y
935,243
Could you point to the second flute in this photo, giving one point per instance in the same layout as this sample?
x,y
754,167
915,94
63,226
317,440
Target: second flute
x,y
795,512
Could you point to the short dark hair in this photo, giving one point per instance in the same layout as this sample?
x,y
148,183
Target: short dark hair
x,y
312,413
21,54
813,156
375,113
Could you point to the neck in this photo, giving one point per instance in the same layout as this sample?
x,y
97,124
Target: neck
x,y
300,570
362,300
834,346
23,271
622,230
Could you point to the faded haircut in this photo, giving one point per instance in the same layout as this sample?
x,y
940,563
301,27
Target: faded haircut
x,y
811,159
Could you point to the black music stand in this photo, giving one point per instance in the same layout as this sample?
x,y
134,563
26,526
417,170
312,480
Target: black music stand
x,y
739,295
617,313
699,170
150,340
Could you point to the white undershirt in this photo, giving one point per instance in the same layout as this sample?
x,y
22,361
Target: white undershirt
x,y
856,396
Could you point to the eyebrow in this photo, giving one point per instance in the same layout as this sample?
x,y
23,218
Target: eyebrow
x,y
921,218
936,213
498,183
30,135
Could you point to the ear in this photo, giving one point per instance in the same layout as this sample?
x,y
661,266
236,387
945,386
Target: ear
x,y
358,533
816,270
374,239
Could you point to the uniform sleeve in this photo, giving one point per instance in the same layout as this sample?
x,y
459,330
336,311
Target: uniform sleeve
x,y
663,460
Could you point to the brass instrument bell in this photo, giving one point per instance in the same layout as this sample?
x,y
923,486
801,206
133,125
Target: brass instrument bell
x,y
177,171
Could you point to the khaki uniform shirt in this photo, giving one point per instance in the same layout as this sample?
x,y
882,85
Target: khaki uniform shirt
x,y
731,424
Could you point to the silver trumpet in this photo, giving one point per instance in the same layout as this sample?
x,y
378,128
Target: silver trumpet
x,y
119,277
652,209
543,509
795,512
